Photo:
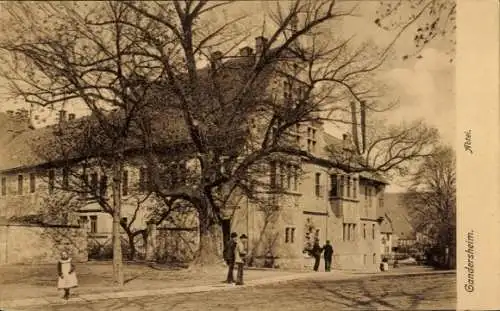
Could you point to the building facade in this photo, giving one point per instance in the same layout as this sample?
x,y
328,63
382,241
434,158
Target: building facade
x,y
314,201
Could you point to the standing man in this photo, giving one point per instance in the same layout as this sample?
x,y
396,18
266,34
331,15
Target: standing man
x,y
240,254
316,252
229,256
328,254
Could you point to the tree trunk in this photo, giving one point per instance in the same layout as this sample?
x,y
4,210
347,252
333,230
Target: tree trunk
x,y
210,247
131,245
117,247
209,250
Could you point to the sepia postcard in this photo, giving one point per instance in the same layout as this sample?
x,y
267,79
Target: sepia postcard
x,y
249,155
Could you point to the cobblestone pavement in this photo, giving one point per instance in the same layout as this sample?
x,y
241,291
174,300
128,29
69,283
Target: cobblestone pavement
x,y
411,292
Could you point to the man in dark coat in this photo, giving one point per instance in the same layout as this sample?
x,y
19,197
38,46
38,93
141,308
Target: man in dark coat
x,y
328,254
316,253
229,256
240,254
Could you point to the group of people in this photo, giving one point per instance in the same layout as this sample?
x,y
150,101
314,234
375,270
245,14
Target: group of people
x,y
327,251
234,254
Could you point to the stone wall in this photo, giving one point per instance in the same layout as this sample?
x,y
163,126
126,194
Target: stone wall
x,y
33,244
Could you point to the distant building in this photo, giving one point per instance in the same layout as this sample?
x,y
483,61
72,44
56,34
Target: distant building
x,y
403,235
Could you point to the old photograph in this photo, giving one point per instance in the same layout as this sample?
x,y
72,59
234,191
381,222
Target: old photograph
x,y
228,155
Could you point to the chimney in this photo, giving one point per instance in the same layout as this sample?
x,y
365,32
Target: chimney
x,y
344,137
216,58
62,116
71,116
260,42
246,51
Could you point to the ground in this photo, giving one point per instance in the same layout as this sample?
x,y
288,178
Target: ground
x,y
402,292
32,281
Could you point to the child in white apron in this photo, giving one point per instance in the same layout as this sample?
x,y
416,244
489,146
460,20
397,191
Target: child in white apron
x,y
67,276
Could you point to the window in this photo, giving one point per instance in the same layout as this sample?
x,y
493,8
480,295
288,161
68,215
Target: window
x,y
365,259
124,220
289,235
289,176
125,183
93,182
341,191
317,184
333,186
142,179
273,175
311,139
93,224
366,192
20,182
381,201
374,258
103,186
344,232
82,221
349,232
370,193
282,175
85,184
354,188
295,178
373,231
4,186
52,176
32,182
348,182
65,179
364,231
353,235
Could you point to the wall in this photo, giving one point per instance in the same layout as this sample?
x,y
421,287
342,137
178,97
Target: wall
x,y
23,243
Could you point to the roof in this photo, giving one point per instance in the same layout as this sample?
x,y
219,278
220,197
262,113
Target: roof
x,y
33,147
397,212
386,225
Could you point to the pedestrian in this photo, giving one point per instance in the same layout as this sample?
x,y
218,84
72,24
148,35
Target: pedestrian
x,y
229,256
316,252
328,254
67,275
240,254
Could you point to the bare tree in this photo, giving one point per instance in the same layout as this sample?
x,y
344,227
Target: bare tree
x,y
314,77
431,200
427,20
56,58
235,115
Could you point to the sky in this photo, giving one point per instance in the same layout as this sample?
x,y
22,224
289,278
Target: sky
x,y
424,86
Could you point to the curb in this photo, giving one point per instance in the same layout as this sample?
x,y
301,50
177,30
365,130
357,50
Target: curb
x,y
46,301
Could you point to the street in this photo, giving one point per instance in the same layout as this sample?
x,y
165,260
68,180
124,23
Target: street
x,y
432,291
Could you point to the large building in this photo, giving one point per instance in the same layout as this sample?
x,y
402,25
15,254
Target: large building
x,y
315,200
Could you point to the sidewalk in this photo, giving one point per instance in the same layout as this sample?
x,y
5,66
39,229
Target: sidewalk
x,y
252,282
